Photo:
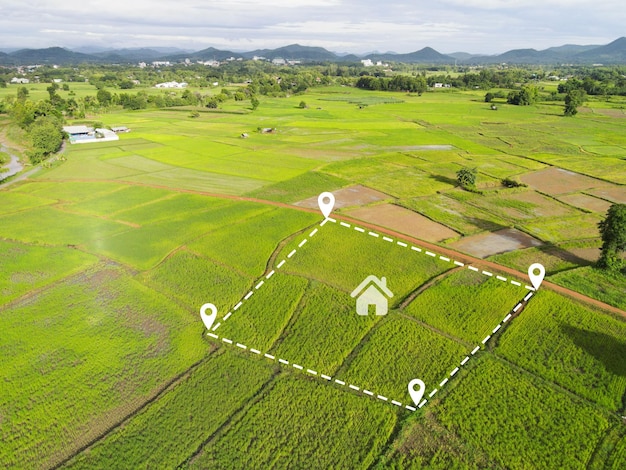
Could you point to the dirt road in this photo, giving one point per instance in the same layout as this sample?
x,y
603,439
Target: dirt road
x,y
467,259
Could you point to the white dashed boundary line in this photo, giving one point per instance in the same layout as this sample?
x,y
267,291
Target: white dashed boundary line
x,y
312,372
401,244
430,253
268,276
467,358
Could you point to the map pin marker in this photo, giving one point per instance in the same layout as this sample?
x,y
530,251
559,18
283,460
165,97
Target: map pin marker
x,y
536,279
326,207
208,319
416,395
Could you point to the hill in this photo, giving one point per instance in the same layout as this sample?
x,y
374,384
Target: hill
x,y
612,53
425,55
50,55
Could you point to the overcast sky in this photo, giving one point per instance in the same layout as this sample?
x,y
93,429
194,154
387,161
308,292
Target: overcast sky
x,y
477,26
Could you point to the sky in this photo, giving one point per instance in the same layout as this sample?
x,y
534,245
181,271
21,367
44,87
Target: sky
x,y
475,26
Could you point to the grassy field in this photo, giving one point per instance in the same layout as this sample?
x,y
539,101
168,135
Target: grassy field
x,y
107,257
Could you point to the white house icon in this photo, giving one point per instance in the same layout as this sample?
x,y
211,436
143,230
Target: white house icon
x,y
372,291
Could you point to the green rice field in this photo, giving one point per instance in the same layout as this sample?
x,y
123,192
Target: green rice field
x,y
108,255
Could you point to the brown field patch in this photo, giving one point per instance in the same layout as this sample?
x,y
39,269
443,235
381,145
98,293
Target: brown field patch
x,y
493,243
614,113
588,254
351,196
544,206
614,193
558,181
586,202
405,221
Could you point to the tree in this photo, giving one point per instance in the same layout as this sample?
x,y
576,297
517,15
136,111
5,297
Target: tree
x,y
489,97
254,101
302,105
46,136
466,177
22,93
573,100
613,233
527,96
104,97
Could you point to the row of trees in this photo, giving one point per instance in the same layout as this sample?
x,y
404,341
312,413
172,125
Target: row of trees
x,y
405,83
42,121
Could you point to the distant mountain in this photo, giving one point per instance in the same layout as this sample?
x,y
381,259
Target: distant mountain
x,y
613,53
295,52
571,48
209,53
51,55
130,55
462,55
425,55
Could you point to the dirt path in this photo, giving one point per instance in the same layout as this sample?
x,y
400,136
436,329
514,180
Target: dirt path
x,y
467,259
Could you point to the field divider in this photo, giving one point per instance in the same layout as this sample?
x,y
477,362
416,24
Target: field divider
x,y
312,373
398,243
437,256
267,277
467,358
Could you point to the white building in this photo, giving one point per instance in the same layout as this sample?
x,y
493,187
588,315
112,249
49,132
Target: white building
x,y
367,63
20,80
171,85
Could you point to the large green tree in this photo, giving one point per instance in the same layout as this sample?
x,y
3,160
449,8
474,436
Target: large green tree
x,y
613,233
466,177
573,100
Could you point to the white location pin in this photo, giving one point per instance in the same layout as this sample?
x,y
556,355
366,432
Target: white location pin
x,y
208,319
326,207
416,395
536,278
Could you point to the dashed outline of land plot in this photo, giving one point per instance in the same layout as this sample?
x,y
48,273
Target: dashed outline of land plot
x,y
411,248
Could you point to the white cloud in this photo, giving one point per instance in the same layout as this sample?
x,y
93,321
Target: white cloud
x,y
487,26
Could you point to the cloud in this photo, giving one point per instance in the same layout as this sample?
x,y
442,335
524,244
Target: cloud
x,y
487,26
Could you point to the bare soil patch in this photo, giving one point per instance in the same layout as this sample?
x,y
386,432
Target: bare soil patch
x,y
615,193
346,197
589,203
502,241
404,221
588,254
615,113
558,181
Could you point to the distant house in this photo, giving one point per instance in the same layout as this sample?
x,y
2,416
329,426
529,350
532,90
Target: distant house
x,y
120,129
279,61
20,80
367,63
173,84
372,292
84,134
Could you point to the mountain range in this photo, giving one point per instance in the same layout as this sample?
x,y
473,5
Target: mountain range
x,y
612,53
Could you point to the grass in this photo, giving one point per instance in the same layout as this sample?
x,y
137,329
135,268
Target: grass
x,y
598,284
571,345
465,304
88,342
399,350
33,267
342,258
248,245
87,351
168,431
301,187
538,419
311,413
